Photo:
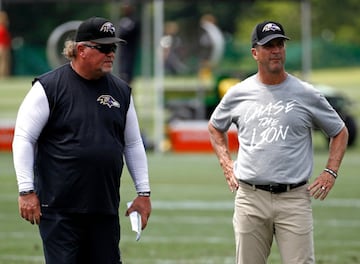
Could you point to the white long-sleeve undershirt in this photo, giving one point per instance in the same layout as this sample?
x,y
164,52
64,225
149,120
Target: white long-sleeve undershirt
x,y
31,119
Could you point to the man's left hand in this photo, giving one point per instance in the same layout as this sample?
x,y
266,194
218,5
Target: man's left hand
x,y
142,205
322,185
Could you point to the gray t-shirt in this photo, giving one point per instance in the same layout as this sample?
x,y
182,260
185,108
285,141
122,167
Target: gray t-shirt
x,y
275,124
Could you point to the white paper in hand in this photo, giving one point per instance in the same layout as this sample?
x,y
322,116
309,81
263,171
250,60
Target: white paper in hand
x,y
135,220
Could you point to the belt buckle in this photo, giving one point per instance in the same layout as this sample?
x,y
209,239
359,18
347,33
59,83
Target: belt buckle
x,y
271,188
278,188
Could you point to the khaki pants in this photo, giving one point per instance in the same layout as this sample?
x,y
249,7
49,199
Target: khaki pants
x,y
260,215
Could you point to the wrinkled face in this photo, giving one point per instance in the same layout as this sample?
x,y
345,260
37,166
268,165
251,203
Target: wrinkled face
x,y
270,56
98,58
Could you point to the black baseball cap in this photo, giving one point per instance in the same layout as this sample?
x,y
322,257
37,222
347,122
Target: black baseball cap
x,y
98,30
266,31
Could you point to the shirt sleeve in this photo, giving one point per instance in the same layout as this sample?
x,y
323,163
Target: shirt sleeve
x,y
325,116
221,118
31,119
135,155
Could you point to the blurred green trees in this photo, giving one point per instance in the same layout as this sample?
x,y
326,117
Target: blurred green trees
x,y
335,27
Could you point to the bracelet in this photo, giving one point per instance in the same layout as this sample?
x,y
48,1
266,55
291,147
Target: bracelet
x,y
330,171
26,192
144,194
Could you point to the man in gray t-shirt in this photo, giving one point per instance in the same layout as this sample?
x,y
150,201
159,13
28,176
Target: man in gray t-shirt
x,y
275,113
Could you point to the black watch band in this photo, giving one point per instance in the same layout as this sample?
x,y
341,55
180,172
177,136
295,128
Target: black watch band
x,y
26,192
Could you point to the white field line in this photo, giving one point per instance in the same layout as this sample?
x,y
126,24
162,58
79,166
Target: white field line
x,y
40,259
207,240
192,220
163,239
228,205
201,220
222,260
28,259
339,243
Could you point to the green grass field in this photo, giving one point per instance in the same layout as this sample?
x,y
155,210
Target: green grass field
x,y
191,219
191,222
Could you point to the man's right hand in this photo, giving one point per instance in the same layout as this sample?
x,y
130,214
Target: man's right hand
x,y
29,208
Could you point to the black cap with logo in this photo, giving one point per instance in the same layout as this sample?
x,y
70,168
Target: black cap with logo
x,y
98,30
266,31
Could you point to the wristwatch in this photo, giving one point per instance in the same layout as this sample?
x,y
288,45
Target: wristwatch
x,y
26,192
144,194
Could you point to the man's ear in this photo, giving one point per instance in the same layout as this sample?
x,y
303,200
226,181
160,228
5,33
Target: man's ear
x,y
254,53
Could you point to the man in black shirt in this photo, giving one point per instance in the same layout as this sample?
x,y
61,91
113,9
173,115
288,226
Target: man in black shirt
x,y
72,131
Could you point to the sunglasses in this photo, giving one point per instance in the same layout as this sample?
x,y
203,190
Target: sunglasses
x,y
103,48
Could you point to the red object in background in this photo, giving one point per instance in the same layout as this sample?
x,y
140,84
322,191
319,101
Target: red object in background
x,y
6,138
193,136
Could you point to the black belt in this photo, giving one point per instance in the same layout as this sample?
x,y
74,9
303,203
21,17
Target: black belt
x,y
277,187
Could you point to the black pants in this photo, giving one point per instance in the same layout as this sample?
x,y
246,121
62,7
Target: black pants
x,y
80,238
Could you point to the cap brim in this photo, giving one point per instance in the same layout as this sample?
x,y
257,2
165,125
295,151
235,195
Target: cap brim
x,y
109,40
271,37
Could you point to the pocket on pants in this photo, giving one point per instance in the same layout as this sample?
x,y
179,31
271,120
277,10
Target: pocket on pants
x,y
251,211
295,211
